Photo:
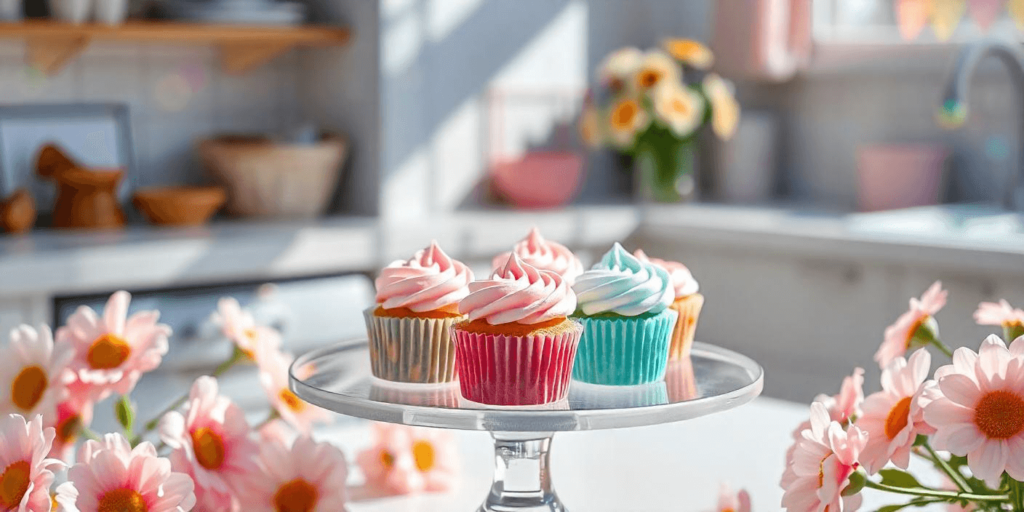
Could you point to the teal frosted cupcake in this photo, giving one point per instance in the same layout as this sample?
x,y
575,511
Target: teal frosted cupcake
x,y
623,304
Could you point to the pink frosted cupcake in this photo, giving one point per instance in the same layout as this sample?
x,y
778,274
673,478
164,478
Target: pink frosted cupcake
x,y
541,254
409,328
518,345
687,303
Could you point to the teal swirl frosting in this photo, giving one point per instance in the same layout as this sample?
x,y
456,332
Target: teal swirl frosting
x,y
624,285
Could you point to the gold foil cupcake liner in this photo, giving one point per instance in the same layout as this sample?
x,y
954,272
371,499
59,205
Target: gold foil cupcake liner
x,y
686,326
411,349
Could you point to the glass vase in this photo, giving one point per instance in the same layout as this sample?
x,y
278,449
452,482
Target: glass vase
x,y
665,171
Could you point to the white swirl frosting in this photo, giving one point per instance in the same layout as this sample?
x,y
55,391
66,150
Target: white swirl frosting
x,y
543,255
682,279
622,284
429,281
519,293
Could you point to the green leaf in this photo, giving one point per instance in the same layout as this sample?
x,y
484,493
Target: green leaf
x,y
920,440
125,414
857,481
892,508
898,478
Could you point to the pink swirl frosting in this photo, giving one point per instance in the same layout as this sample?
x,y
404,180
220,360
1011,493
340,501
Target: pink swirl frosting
x,y
519,293
543,255
682,280
431,280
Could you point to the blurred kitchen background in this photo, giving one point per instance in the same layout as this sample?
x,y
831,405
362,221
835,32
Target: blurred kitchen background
x,y
319,140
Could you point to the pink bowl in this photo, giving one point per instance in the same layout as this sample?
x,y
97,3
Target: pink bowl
x,y
539,180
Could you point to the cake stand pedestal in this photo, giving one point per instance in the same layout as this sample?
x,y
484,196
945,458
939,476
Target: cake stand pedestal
x,y
714,379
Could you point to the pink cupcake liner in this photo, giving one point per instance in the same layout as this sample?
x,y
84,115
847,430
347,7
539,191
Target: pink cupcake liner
x,y
515,370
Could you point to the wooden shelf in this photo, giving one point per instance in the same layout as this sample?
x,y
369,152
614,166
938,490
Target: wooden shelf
x,y
51,45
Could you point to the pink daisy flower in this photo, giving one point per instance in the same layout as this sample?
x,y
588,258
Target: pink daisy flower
x,y
824,458
240,327
980,412
844,407
112,352
32,373
309,477
110,476
406,460
892,417
211,440
297,412
26,474
1002,314
729,501
72,414
909,326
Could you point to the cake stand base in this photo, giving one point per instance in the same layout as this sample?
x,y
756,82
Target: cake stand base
x,y
522,474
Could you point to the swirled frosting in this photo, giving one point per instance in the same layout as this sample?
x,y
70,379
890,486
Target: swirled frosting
x,y
519,293
682,279
429,281
622,284
543,255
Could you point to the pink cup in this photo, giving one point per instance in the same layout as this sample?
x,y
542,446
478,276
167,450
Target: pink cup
x,y
899,176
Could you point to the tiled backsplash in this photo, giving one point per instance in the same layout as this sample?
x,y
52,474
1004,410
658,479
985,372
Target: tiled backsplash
x,y
177,95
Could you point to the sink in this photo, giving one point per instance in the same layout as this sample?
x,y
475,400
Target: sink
x,y
959,221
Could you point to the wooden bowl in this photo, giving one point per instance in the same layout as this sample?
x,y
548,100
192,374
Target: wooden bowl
x,y
179,206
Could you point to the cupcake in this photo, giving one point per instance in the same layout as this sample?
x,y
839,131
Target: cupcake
x,y
687,303
541,254
518,344
627,323
409,327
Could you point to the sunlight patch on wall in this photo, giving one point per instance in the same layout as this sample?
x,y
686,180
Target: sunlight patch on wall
x,y
444,16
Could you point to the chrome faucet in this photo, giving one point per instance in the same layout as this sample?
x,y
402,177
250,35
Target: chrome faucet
x,y
953,111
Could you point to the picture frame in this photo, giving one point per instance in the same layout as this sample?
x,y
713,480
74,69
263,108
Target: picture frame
x,y
95,135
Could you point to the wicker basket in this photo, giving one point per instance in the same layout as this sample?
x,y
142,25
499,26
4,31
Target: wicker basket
x,y
270,179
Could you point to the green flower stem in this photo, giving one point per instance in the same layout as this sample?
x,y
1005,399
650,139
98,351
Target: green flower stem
x,y
944,495
270,418
1017,495
88,433
942,347
236,357
942,464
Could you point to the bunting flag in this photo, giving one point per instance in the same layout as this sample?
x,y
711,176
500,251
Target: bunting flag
x,y
985,12
1016,8
946,15
912,16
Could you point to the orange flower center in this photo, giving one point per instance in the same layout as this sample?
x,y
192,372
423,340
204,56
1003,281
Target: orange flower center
x,y
680,107
386,459
624,113
648,78
53,502
423,452
67,429
14,483
897,419
28,387
122,500
296,496
209,448
293,402
1000,414
108,352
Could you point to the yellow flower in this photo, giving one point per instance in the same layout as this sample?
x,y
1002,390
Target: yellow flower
x,y
725,110
656,68
680,108
618,67
690,52
590,127
625,120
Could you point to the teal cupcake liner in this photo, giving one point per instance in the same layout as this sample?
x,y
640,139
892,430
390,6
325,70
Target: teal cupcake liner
x,y
412,350
624,351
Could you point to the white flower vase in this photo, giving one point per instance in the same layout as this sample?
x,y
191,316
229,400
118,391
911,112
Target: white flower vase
x,y
111,12
71,11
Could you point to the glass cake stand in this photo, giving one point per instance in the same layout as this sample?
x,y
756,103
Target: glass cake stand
x,y
714,379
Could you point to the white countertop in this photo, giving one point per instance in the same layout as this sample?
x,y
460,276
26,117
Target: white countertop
x,y
51,262
676,467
